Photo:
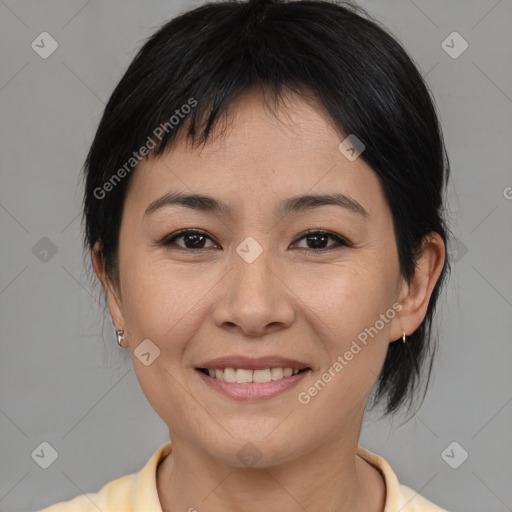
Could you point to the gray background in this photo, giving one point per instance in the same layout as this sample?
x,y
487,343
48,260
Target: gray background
x,y
62,378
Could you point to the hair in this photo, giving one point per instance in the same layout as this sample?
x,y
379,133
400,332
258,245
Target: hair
x,y
358,72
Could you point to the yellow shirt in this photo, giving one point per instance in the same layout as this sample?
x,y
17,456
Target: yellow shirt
x,y
137,492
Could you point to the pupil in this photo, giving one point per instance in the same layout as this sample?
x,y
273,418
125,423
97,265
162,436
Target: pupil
x,y
194,243
323,237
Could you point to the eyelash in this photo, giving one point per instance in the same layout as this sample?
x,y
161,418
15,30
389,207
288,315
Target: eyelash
x,y
167,242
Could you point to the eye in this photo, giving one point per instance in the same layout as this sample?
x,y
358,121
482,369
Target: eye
x,y
319,238
194,239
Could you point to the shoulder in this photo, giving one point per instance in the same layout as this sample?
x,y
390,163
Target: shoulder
x,y
117,491
133,492
399,497
414,502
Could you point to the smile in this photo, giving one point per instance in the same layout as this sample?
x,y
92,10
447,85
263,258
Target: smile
x,y
245,376
246,384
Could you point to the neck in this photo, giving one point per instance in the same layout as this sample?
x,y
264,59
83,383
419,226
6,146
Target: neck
x,y
330,477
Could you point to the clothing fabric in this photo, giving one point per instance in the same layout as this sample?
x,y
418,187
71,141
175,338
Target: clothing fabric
x,y
137,492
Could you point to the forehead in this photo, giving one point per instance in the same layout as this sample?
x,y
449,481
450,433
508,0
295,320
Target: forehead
x,y
259,157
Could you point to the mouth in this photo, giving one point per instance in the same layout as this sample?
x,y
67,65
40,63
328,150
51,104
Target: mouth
x,y
243,384
247,376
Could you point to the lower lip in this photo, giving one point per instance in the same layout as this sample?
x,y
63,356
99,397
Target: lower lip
x,y
253,390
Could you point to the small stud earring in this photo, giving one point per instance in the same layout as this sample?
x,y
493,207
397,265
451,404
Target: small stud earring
x,y
120,337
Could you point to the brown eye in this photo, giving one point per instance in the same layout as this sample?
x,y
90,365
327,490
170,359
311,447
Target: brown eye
x,y
193,239
318,240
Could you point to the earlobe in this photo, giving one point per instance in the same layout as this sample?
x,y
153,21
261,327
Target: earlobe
x,y
415,295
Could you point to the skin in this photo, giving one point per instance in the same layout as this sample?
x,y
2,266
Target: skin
x,y
195,307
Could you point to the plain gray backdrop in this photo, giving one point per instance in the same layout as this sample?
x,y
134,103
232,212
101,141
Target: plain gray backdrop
x,y
62,378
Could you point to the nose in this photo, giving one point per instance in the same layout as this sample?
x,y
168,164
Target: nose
x,y
254,298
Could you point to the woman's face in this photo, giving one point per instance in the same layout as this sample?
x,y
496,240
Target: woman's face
x,y
252,290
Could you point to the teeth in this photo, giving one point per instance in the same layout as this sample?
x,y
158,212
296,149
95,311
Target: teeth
x,y
229,375
243,375
262,375
276,373
246,376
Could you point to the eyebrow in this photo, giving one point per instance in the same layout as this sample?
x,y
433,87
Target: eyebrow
x,y
295,204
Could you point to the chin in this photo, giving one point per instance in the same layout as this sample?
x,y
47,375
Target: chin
x,y
256,451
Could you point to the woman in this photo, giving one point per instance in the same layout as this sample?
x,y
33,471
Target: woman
x,y
264,209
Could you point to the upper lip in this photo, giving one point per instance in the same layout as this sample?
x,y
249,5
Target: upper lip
x,y
252,363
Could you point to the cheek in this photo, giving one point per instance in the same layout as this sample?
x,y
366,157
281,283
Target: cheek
x,y
158,296
348,298
352,311
163,304
354,339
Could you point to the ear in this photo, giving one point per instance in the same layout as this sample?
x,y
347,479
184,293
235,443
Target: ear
x,y
113,294
414,296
